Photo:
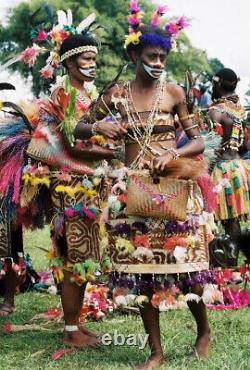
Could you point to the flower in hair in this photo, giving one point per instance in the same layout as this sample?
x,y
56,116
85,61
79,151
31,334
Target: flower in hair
x,y
135,20
132,38
134,6
160,11
182,23
173,29
29,55
135,16
41,35
152,39
47,71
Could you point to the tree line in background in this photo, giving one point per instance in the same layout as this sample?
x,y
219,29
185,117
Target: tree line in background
x,y
112,16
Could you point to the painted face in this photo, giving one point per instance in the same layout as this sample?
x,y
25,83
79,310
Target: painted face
x,y
153,60
86,65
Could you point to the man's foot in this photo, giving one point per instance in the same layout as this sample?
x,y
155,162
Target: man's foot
x,y
6,309
153,362
79,340
202,345
90,333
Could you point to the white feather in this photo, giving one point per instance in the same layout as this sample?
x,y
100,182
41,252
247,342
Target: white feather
x,y
86,22
10,62
70,17
62,18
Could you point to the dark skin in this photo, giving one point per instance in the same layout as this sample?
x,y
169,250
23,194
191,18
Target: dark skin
x,y
10,279
143,89
83,130
72,295
232,226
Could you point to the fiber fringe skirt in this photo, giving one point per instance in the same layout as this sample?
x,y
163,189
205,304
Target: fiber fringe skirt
x,y
232,181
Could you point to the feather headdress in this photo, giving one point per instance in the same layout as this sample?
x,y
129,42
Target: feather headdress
x,y
50,41
136,36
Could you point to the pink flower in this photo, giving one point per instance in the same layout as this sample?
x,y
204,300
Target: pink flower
x,y
42,35
173,29
64,35
155,21
182,23
133,20
161,9
134,6
29,55
47,71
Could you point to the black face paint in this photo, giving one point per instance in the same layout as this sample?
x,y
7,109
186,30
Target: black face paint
x,y
88,71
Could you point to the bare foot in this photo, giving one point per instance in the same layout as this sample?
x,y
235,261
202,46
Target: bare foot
x,y
153,362
202,345
79,340
90,333
6,309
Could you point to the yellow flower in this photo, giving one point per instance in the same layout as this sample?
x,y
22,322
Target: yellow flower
x,y
100,139
26,178
124,246
133,38
66,189
91,193
35,181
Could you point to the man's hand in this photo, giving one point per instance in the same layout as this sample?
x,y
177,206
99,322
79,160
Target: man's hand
x,y
158,165
111,130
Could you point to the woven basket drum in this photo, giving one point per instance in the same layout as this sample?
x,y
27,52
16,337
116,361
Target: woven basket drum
x,y
174,193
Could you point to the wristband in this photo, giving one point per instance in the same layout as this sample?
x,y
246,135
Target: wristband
x,y
174,152
94,128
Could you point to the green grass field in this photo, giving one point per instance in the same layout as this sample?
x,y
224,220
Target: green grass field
x,y
33,349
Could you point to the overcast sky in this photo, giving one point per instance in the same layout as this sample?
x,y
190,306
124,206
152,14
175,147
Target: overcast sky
x,y
221,27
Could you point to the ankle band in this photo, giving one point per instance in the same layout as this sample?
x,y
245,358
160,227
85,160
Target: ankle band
x,y
71,328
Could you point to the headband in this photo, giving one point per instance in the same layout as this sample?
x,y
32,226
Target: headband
x,y
79,50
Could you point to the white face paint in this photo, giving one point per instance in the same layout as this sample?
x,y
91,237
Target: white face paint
x,y
89,71
152,71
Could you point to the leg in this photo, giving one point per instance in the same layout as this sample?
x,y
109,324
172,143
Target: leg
x,y
82,328
10,283
151,322
71,298
232,228
199,312
11,278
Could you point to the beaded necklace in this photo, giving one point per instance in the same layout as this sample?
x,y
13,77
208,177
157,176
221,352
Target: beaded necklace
x,y
143,137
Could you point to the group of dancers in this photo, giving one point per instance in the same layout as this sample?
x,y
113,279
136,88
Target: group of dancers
x,y
106,173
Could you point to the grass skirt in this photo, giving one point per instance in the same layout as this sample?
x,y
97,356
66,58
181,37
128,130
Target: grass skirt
x,y
232,180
